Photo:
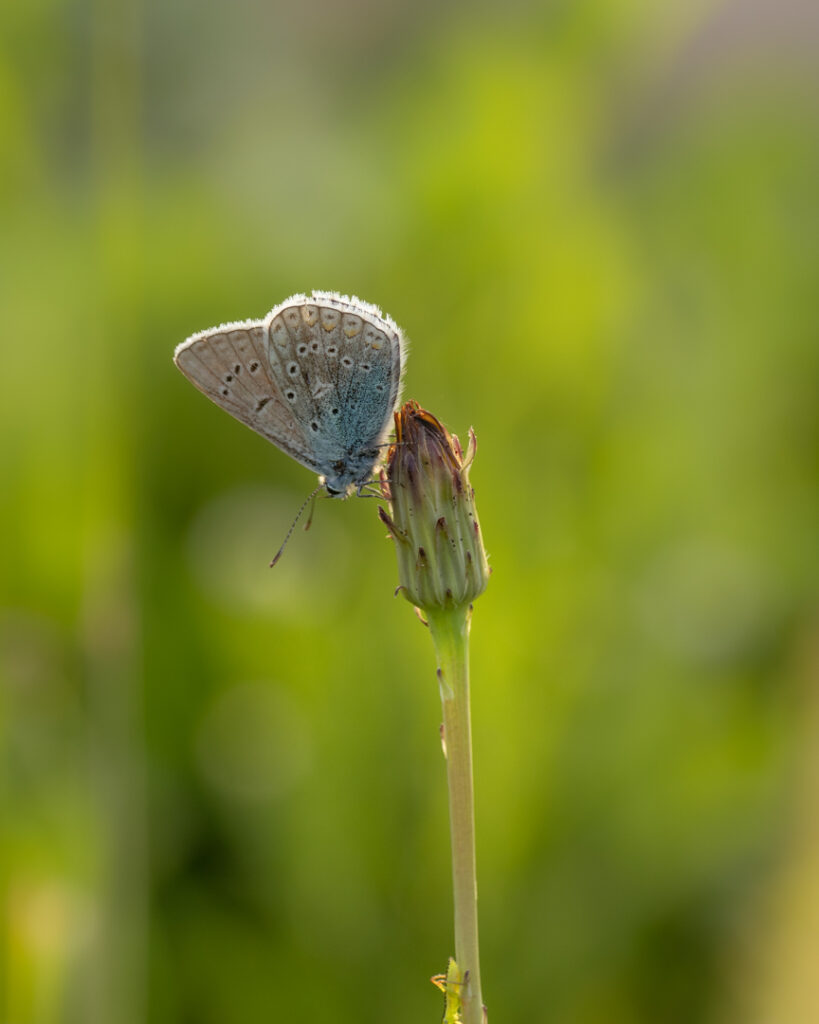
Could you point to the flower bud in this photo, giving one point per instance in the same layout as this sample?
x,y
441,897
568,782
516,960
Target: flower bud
x,y
441,559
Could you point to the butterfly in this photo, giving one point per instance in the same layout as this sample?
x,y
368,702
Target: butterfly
x,y
319,376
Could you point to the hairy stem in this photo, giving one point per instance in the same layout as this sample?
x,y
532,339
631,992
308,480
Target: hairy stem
x,y
450,634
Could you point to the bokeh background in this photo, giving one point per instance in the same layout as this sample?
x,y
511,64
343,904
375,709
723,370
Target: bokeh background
x,y
222,797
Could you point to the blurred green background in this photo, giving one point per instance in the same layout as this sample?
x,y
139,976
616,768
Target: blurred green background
x,y
222,797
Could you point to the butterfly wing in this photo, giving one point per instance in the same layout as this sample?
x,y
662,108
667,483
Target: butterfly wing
x,y
319,377
231,364
371,364
339,362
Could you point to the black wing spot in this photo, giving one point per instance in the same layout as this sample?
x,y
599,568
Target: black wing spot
x,y
262,403
237,368
314,427
254,367
225,391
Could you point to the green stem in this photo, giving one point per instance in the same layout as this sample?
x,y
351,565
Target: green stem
x,y
450,634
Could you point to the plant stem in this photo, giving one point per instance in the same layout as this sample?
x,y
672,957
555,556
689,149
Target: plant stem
x,y
450,634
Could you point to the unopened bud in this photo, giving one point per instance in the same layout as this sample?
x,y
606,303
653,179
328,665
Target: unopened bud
x,y
441,559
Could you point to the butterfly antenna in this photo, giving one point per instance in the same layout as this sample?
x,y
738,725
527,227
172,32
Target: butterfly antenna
x,y
307,500
312,497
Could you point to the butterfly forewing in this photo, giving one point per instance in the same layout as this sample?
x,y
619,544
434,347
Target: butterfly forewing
x,y
231,365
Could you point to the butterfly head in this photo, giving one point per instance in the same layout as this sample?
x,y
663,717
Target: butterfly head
x,y
350,474
333,490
